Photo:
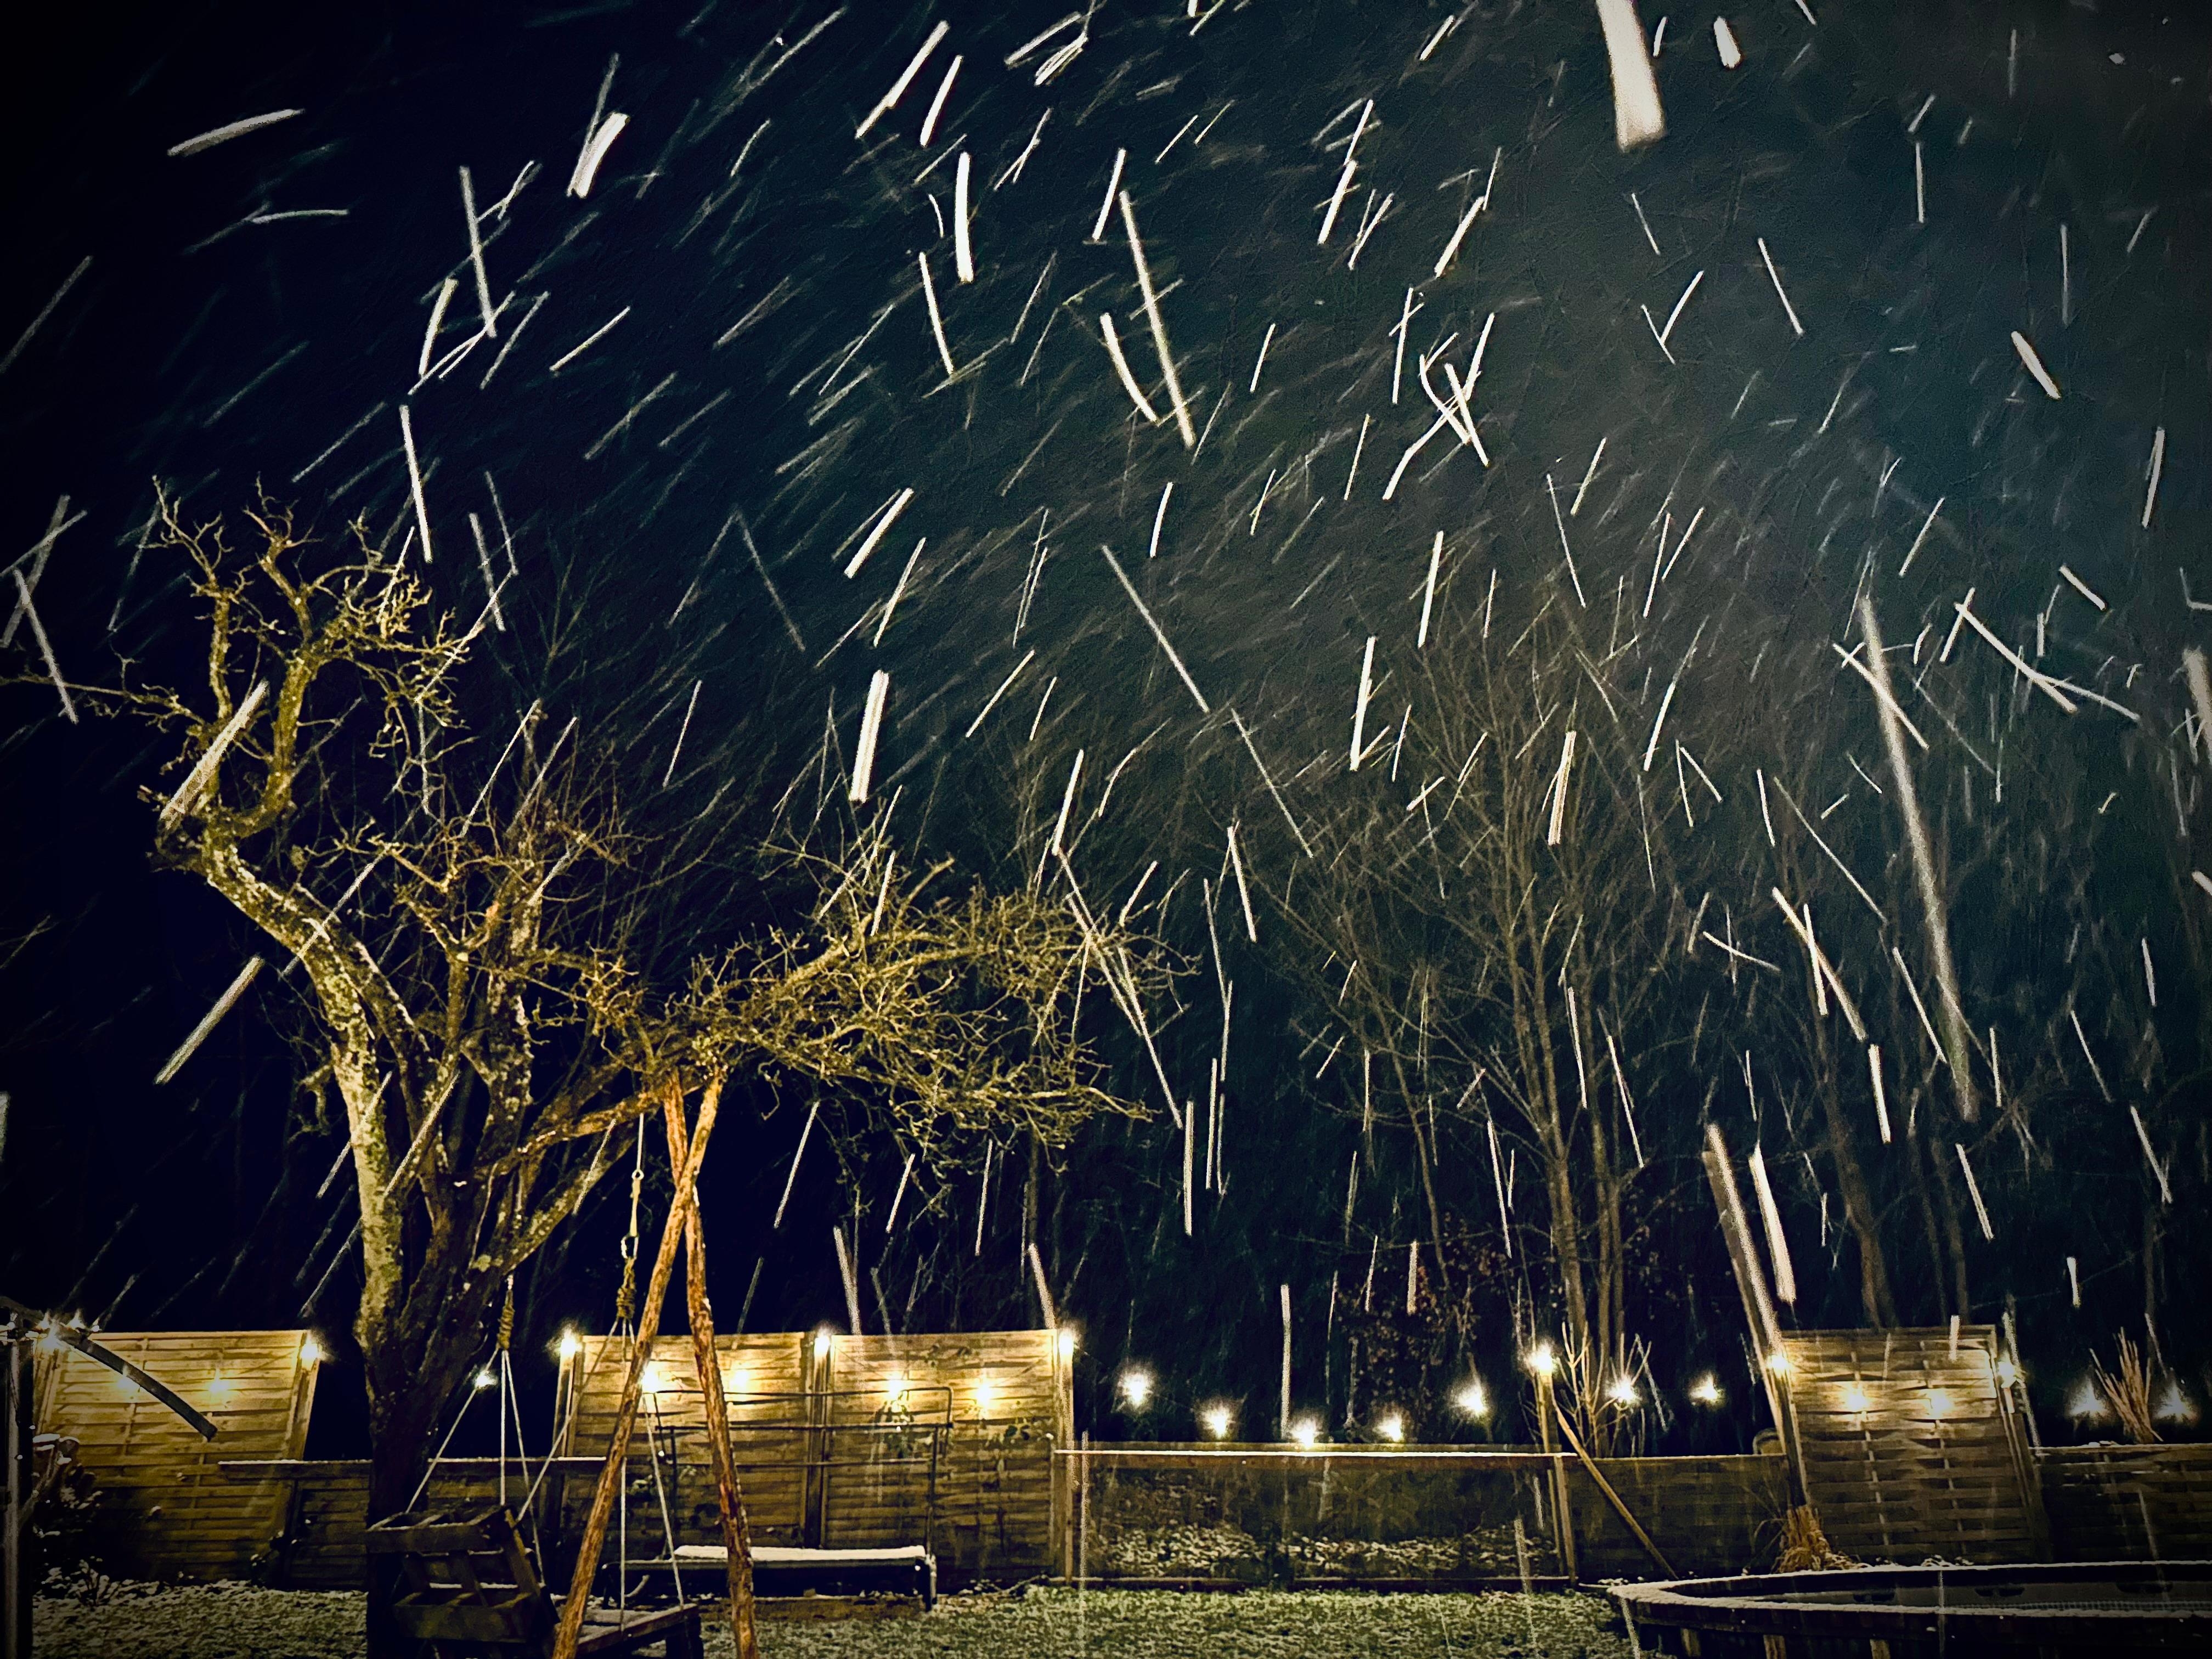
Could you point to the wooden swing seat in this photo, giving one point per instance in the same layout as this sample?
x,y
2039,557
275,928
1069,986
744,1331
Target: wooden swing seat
x,y
468,1588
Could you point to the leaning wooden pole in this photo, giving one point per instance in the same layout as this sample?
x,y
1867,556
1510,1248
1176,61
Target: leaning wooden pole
x,y
1758,1306
1619,1506
571,1628
736,1539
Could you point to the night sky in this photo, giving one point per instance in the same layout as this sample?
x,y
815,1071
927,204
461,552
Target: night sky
x,y
748,374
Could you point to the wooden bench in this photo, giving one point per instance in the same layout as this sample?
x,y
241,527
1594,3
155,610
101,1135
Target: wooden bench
x,y
907,1570
467,1588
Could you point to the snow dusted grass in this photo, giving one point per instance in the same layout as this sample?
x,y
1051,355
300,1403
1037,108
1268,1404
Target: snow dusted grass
x,y
1261,1624
237,1622
199,1621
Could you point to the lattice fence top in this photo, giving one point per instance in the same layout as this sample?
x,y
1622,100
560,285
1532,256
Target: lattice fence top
x,y
1912,1446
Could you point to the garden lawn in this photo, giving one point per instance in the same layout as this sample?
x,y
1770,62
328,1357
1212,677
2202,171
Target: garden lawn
x,y
237,1622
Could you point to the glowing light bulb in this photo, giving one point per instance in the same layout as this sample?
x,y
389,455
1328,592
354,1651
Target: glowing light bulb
x,y
1939,1402
822,1339
2085,1403
1778,1363
1623,1392
1391,1426
1218,1420
311,1351
2007,1372
1705,1391
484,1379
895,1387
1065,1337
1137,1386
1306,1432
987,1396
570,1345
1855,1398
1542,1360
1472,1400
2173,1406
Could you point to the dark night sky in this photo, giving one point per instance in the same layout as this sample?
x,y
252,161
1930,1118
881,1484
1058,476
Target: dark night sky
x,y
217,355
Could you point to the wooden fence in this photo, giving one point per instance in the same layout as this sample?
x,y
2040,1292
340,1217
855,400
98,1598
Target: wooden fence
x,y
318,1544
1411,1515
1912,1446
2129,1503
165,1507
951,1440
844,1442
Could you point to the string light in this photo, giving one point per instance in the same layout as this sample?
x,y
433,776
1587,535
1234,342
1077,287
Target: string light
x,y
570,1345
1391,1426
1705,1391
311,1351
1137,1386
1306,1432
1472,1400
1542,1360
1218,1420
1855,1398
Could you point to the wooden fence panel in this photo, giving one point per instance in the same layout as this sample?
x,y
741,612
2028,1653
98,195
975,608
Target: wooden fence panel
x,y
165,1508
1005,1400
765,1380
2129,1503
1370,1513
323,1546
848,1442
1911,1448
1709,1515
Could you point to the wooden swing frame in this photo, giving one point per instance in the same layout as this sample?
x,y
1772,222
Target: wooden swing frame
x,y
687,1152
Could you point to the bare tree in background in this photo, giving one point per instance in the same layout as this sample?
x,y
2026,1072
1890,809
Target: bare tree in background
x,y
1504,925
482,944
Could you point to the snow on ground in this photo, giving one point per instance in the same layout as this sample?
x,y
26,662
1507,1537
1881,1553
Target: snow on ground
x,y
198,1621
227,1621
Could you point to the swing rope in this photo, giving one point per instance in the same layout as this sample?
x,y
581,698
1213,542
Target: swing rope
x,y
626,1326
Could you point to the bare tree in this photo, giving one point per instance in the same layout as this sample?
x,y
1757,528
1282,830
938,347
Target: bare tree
x,y
484,959
1505,924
